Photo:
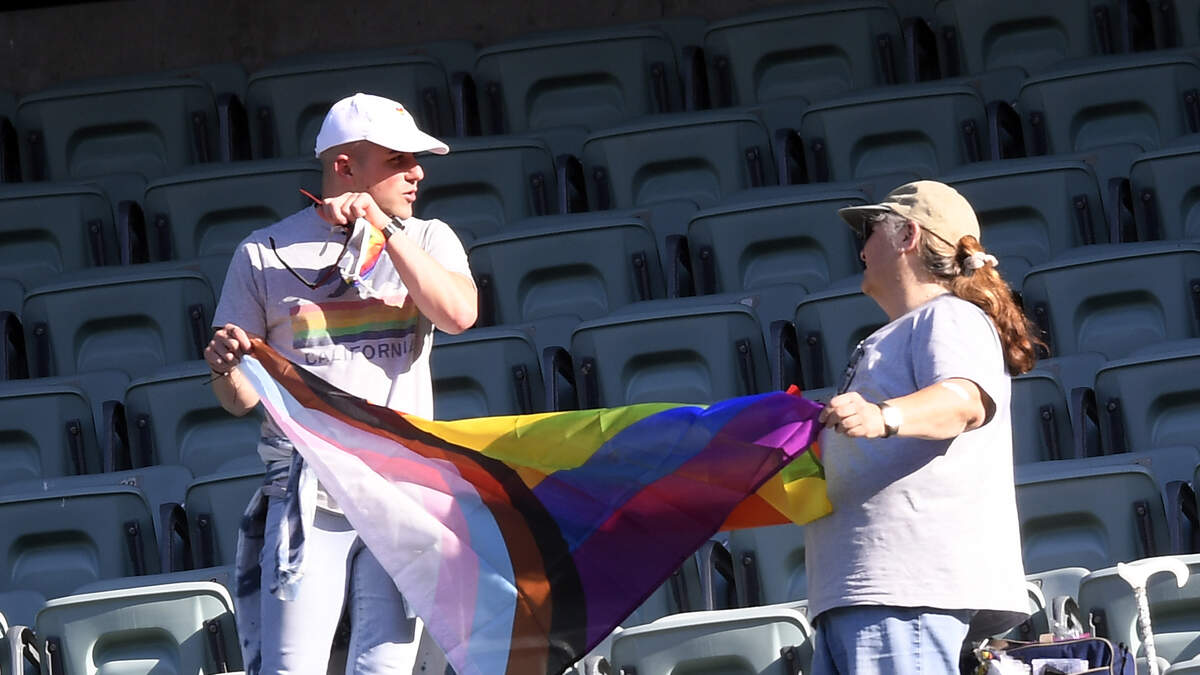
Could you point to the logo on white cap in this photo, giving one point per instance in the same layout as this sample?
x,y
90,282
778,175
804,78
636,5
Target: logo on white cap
x,y
382,121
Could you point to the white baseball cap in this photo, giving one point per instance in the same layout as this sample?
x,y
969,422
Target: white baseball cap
x,y
363,117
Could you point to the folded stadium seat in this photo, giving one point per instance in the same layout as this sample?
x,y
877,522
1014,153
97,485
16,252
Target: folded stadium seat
x,y
46,429
772,236
1174,24
12,294
56,541
1052,594
50,228
1116,298
119,132
10,160
485,183
681,592
568,271
1088,513
587,79
288,99
768,564
1163,191
1029,34
1141,101
174,418
813,50
829,326
687,350
1108,601
131,319
214,505
749,641
18,608
1030,210
926,129
1149,398
484,372
1041,419
207,211
182,627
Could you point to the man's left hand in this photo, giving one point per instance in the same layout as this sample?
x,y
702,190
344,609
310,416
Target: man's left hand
x,y
854,416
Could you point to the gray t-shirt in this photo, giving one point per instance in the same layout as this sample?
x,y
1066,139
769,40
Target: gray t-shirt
x,y
921,523
376,348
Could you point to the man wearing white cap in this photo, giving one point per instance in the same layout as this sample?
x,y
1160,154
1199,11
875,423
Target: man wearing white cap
x,y
922,548
351,289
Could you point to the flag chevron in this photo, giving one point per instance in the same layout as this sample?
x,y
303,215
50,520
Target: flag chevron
x,y
522,541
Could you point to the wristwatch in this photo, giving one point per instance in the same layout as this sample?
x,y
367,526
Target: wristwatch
x,y
892,419
393,226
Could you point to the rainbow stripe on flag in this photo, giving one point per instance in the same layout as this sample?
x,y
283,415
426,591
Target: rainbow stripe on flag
x,y
522,541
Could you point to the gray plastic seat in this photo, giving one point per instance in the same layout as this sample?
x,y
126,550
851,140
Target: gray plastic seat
x,y
57,541
1149,399
1163,188
1116,298
47,229
926,129
1041,419
768,564
134,319
1143,100
214,505
686,351
811,50
774,236
174,418
696,156
829,325
587,79
752,641
978,37
207,211
286,101
119,132
485,372
183,627
1079,513
486,183
46,429
1032,210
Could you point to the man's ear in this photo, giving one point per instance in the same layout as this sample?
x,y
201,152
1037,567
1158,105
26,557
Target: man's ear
x,y
912,235
342,165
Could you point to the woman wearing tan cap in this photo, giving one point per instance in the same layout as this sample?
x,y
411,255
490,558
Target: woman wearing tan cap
x,y
923,548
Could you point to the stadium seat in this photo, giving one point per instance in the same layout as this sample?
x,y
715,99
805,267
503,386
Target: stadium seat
x,y
926,129
1030,210
1115,298
696,156
1149,399
183,627
47,229
485,183
485,372
12,293
46,429
1025,33
174,418
587,79
287,100
829,325
813,50
566,272
768,564
1108,601
20,608
1143,100
1175,24
133,319
1163,191
56,541
214,505
120,132
687,351
10,159
207,211
1074,513
771,236
1041,419
749,641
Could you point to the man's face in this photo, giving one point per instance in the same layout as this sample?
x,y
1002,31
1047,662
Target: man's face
x,y
390,177
879,256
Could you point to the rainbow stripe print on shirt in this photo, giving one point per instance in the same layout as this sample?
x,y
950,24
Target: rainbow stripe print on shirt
x,y
332,323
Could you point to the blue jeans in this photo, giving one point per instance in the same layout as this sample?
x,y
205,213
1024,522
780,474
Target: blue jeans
x,y
871,639
296,634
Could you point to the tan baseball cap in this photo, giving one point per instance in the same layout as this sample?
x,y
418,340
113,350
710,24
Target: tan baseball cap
x,y
936,207
363,117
